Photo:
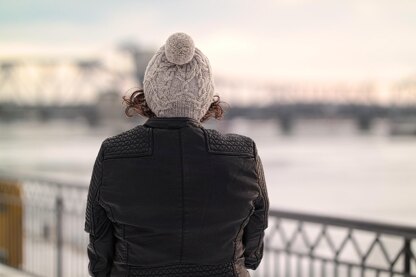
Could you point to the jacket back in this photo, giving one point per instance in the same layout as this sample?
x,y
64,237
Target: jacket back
x,y
173,198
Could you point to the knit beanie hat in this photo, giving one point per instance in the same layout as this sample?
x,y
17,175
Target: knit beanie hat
x,y
178,79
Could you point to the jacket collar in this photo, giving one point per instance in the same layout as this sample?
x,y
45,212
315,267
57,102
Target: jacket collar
x,y
172,122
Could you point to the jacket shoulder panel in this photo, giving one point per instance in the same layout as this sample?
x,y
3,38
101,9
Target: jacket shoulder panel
x,y
134,142
229,144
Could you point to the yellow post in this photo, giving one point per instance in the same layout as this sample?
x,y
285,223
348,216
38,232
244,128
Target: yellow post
x,y
11,221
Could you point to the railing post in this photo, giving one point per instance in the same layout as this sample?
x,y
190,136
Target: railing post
x,y
59,236
407,256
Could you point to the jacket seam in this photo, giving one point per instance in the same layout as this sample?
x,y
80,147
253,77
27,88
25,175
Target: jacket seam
x,y
262,185
106,207
93,265
235,239
96,199
182,195
125,244
125,155
206,139
261,194
151,141
240,154
240,229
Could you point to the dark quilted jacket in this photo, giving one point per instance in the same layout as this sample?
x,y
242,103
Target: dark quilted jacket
x,y
172,198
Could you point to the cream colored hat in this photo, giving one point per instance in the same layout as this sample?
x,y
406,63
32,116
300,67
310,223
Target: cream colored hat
x,y
178,79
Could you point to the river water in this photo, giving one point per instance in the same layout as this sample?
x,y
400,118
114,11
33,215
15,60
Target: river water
x,y
324,167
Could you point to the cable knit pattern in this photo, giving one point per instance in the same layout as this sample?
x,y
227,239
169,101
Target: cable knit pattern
x,y
173,89
231,144
134,142
185,270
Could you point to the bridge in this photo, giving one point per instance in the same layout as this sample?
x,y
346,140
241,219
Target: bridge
x,y
90,90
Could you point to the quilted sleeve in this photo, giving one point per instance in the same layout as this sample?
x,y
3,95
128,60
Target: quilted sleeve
x,y
97,224
254,230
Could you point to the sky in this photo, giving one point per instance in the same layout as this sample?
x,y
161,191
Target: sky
x,y
265,40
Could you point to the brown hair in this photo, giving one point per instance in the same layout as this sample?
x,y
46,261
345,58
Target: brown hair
x,y
137,102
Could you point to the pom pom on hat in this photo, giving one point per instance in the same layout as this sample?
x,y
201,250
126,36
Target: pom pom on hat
x,y
179,48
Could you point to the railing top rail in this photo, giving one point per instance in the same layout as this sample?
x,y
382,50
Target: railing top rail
x,y
365,225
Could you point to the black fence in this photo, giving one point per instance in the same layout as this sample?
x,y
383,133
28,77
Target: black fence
x,y
299,244
43,226
42,222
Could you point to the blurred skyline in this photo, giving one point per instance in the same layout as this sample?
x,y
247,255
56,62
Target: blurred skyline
x,y
264,40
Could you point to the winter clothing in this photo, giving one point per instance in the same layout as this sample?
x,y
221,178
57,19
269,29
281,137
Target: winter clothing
x,y
178,79
173,198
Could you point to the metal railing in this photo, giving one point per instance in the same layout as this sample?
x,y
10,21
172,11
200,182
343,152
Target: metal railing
x,y
301,244
296,244
53,238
